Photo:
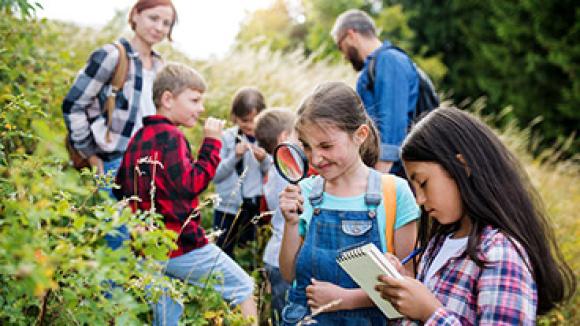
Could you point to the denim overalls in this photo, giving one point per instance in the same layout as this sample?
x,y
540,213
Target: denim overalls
x,y
330,232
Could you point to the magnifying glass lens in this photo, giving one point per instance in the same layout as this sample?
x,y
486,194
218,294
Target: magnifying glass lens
x,y
290,162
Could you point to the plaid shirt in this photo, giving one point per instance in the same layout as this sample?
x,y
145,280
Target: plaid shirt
x,y
178,178
503,293
82,107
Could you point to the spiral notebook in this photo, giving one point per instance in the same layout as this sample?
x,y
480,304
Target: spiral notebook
x,y
364,264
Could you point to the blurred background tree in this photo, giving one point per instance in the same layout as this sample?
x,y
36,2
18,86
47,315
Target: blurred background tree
x,y
520,54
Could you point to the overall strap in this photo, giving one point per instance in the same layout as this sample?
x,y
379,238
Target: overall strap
x,y
315,196
373,194
390,202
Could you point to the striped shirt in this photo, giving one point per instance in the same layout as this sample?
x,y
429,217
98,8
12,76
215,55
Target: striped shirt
x,y
178,179
502,293
82,107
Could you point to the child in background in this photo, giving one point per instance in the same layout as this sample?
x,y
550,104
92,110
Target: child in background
x,y
240,157
179,179
491,257
343,208
274,126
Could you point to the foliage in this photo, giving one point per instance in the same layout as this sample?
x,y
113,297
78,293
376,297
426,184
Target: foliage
x,y
515,54
280,28
519,53
273,26
55,267
24,7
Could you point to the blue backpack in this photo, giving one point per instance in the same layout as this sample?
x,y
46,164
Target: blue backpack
x,y
427,99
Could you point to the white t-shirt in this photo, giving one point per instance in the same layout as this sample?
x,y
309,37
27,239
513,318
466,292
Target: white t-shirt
x,y
450,248
147,107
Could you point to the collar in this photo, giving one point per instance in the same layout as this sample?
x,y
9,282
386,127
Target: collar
x,y
134,54
386,44
156,119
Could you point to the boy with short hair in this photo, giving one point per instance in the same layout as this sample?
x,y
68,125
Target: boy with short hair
x,y
274,126
159,150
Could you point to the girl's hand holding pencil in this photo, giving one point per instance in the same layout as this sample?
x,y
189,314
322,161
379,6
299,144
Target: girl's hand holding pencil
x,y
400,264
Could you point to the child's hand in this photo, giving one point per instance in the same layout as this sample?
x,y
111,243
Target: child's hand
x,y
241,148
291,202
259,153
213,128
94,160
409,296
320,293
397,263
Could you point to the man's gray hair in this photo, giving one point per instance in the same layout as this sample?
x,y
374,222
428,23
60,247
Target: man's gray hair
x,y
354,19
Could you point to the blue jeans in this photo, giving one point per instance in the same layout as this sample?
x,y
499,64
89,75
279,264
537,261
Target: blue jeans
x,y
116,238
236,285
279,290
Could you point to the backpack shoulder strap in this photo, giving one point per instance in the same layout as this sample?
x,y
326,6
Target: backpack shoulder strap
x,y
372,67
121,69
371,73
390,202
117,82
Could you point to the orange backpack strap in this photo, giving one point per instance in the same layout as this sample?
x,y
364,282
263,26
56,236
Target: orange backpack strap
x,y
390,202
117,82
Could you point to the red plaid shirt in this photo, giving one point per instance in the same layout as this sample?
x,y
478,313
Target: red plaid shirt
x,y
503,293
179,179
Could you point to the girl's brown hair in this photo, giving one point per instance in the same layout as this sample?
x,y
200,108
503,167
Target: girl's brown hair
x,y
339,104
147,4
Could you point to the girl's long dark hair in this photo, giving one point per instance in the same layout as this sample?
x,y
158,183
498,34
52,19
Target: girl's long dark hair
x,y
496,191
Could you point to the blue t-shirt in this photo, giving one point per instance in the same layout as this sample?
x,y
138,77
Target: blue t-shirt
x,y
407,209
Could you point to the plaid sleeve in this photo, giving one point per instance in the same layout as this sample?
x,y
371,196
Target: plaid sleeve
x,y
506,290
507,293
83,92
443,317
192,177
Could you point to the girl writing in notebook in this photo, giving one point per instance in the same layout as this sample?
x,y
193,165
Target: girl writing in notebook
x,y
338,209
491,257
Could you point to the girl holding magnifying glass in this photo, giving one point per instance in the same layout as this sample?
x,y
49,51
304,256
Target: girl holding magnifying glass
x,y
337,209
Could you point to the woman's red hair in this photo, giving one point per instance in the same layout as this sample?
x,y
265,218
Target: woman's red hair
x,y
147,4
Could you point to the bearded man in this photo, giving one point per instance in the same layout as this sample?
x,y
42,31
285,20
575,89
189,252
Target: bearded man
x,y
388,82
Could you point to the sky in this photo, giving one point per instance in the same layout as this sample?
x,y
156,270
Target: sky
x,y
205,27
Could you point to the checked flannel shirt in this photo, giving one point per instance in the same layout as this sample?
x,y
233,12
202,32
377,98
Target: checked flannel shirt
x,y
503,293
82,107
179,179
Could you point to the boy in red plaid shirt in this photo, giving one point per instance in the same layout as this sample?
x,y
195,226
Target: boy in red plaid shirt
x,y
160,151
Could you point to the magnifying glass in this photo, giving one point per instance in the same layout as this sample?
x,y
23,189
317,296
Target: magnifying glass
x,y
291,162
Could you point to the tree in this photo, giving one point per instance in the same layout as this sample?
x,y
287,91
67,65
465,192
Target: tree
x,y
281,29
522,54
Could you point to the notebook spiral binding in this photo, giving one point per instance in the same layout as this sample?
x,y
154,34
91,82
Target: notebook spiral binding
x,y
351,254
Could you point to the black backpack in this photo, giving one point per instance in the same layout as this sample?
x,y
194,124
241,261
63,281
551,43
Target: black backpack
x,y
427,99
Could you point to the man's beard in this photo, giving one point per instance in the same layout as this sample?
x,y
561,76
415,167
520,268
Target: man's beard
x,y
354,58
